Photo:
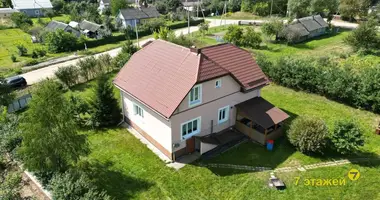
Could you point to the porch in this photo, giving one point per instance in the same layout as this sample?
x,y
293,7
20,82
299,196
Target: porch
x,y
260,120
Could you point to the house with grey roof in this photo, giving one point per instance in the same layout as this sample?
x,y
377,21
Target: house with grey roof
x,y
53,26
91,29
33,8
308,27
133,16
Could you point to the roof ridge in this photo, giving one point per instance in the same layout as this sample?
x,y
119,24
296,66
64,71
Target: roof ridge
x,y
215,45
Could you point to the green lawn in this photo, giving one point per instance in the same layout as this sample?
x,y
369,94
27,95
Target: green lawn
x,y
127,169
241,16
61,18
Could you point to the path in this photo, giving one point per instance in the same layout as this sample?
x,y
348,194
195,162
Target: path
x,y
289,169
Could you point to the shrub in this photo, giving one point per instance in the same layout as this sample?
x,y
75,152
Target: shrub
x,y
80,110
308,134
20,18
88,68
31,62
203,28
60,41
251,38
22,50
105,63
154,24
234,35
73,186
9,133
13,58
364,37
273,27
68,75
291,35
347,137
10,187
261,8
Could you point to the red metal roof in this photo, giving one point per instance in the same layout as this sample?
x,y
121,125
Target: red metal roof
x,y
162,73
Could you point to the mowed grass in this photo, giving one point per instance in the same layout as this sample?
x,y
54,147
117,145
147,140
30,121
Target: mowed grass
x,y
124,167
60,18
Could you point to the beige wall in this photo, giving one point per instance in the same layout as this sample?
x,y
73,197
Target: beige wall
x,y
153,124
212,100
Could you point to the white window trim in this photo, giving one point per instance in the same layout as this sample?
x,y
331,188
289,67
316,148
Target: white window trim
x,y
194,103
37,12
220,83
227,116
183,138
136,114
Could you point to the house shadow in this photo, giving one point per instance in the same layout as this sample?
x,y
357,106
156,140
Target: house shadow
x,y
115,183
250,153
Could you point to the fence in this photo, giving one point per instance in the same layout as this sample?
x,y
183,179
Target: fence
x,y
19,103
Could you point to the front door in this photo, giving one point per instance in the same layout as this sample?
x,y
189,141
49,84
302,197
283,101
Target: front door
x,y
190,145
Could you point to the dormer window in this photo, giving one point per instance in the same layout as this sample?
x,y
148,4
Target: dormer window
x,y
218,83
195,95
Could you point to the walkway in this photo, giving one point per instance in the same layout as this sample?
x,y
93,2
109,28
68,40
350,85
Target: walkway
x,y
289,169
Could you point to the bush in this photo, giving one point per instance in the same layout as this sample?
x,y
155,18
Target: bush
x,y
105,63
60,41
308,134
251,38
154,24
73,186
88,68
365,37
10,186
338,81
234,35
347,137
273,27
261,8
20,18
68,75
13,58
22,50
9,133
31,62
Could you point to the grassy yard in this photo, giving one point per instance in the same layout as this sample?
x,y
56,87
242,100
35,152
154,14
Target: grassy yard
x,y
60,18
240,15
127,169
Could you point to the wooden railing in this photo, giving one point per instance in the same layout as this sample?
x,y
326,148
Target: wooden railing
x,y
258,136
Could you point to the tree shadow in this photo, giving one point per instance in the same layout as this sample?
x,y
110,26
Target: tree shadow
x,y
115,183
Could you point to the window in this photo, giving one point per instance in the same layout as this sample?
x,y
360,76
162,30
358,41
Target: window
x,y
37,12
190,128
218,83
137,110
195,96
223,114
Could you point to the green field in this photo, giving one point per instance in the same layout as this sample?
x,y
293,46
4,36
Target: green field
x,y
61,18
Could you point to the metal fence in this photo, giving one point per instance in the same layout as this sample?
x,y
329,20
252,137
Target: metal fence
x,y
19,103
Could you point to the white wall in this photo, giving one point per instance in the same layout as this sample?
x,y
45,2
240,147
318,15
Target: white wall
x,y
152,123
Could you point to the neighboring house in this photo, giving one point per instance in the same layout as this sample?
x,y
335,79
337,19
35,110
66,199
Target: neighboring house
x,y
103,4
5,13
133,16
192,5
74,24
91,29
33,8
186,99
308,27
52,26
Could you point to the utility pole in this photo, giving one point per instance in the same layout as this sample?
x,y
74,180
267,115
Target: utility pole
x,y
137,34
271,8
188,20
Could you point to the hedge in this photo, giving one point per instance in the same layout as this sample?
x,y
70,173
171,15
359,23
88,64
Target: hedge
x,y
183,24
345,82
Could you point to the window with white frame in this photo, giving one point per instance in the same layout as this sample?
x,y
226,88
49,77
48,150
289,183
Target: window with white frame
x,y
195,96
190,128
37,12
218,83
223,114
137,110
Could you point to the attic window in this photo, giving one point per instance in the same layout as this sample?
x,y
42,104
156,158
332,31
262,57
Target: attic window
x,y
218,83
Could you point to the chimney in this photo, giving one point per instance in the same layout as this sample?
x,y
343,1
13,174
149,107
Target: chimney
x,y
194,49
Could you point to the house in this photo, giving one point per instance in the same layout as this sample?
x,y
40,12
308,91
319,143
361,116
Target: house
x,y
5,13
52,26
308,27
192,5
184,100
91,29
133,16
74,24
103,4
33,8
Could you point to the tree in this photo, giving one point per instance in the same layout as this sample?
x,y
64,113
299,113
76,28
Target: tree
x,y
203,28
352,8
22,50
50,14
117,5
321,6
6,94
20,19
68,75
9,133
292,35
234,35
251,38
273,27
347,137
105,108
298,8
166,6
10,186
365,37
58,5
261,8
60,41
51,142
75,186
308,134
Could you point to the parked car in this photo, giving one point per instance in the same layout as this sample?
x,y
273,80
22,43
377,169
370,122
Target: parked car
x,y
16,81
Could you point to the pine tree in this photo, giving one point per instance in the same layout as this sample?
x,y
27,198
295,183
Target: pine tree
x,y
105,108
